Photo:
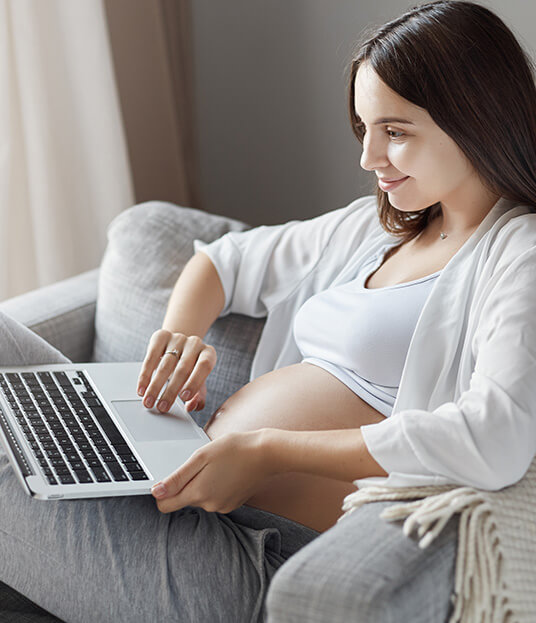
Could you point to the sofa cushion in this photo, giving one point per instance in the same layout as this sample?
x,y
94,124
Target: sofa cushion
x,y
148,246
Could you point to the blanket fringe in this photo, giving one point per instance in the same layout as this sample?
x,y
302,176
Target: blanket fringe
x,y
479,590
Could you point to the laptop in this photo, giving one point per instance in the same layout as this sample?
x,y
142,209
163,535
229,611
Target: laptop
x,y
81,431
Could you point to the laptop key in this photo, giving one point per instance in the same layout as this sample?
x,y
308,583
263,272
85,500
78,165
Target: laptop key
x,y
121,448
67,479
139,476
127,457
133,466
57,462
100,474
83,475
51,479
117,472
61,471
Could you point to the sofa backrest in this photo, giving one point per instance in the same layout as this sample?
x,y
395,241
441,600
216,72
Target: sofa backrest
x,y
148,246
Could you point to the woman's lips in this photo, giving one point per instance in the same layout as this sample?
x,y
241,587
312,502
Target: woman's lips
x,y
387,186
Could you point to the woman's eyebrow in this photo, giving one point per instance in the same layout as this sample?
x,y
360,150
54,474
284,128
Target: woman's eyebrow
x,y
393,120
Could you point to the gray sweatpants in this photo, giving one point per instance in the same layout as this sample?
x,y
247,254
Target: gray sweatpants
x,y
120,559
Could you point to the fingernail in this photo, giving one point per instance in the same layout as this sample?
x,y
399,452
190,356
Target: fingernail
x,y
162,405
141,391
186,394
149,402
158,490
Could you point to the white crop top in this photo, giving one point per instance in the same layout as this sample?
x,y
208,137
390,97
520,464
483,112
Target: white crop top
x,y
362,335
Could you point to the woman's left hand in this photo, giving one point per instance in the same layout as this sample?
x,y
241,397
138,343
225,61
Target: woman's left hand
x,y
220,476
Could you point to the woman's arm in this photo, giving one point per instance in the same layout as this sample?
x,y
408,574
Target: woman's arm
x,y
338,454
197,298
195,303
225,473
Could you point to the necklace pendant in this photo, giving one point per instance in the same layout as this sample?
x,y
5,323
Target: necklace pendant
x,y
443,235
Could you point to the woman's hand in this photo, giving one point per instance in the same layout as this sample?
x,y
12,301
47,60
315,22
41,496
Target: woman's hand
x,y
219,476
187,372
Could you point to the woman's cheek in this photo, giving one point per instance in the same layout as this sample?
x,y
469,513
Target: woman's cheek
x,y
401,157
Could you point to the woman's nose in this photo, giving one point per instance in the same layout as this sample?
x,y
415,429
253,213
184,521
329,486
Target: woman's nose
x,y
373,156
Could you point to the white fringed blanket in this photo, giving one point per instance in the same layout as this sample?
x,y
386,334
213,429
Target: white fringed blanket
x,y
495,579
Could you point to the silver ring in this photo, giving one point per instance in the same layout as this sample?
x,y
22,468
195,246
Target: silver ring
x,y
172,352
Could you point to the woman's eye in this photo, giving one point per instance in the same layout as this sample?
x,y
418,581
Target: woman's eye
x,y
395,134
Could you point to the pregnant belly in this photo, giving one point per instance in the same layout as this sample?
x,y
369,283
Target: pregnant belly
x,y
298,397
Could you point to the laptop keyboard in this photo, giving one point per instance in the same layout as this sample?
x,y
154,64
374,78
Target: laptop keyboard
x,y
74,439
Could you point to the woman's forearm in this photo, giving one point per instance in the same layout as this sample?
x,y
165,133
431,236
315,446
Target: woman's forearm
x,y
338,454
197,298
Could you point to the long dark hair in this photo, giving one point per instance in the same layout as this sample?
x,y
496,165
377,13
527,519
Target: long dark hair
x,y
463,65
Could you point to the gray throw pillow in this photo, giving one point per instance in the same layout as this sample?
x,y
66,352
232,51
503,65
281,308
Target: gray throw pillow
x,y
148,246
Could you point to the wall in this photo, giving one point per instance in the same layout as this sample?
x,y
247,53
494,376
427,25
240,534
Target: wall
x,y
151,48
274,137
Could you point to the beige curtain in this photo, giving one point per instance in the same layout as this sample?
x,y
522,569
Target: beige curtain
x,y
96,114
152,50
64,170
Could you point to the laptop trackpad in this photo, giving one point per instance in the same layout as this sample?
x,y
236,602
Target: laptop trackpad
x,y
151,425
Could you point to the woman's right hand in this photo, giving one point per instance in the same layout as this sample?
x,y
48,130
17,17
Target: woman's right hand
x,y
187,371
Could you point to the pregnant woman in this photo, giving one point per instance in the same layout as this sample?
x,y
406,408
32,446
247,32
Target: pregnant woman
x,y
444,103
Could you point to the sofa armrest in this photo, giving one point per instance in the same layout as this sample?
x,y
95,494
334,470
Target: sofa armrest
x,y
62,313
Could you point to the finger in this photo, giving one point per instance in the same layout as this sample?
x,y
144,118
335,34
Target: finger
x,y
203,367
197,403
155,348
163,371
194,352
172,492
202,393
192,346
192,404
202,397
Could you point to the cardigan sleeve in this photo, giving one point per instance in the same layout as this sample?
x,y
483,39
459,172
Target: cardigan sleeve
x,y
487,438
260,267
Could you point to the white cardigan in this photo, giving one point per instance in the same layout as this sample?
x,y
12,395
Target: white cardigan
x,y
465,412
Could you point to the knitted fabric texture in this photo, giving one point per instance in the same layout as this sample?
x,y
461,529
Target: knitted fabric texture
x,y
495,576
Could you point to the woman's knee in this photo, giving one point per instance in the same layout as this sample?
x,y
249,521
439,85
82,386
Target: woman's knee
x,y
365,569
305,589
20,346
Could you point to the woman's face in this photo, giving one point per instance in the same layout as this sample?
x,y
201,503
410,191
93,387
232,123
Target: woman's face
x,y
414,148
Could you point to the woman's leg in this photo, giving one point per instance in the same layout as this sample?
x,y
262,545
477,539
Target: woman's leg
x,y
20,347
120,559
366,570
